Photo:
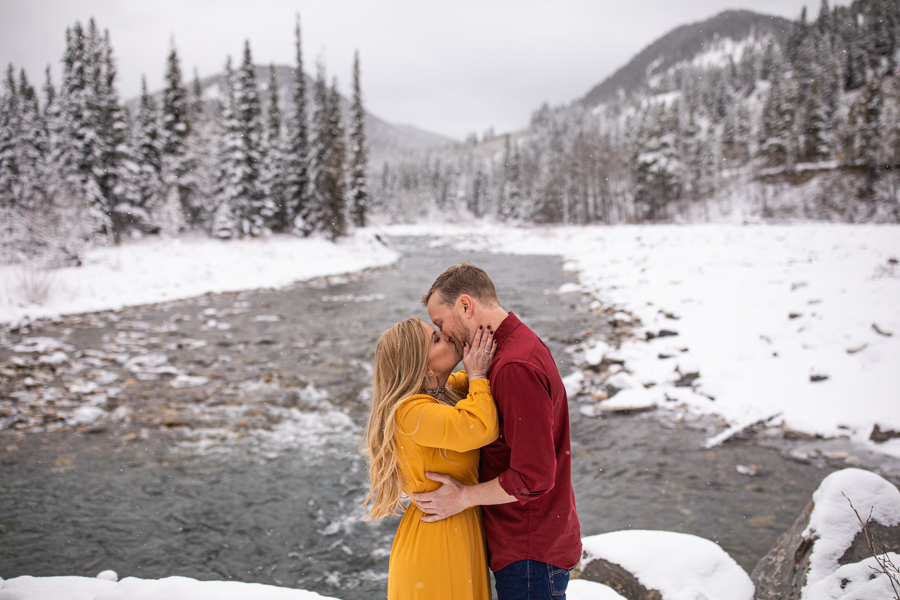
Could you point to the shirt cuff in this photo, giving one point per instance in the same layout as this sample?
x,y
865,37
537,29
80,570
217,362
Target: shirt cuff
x,y
512,484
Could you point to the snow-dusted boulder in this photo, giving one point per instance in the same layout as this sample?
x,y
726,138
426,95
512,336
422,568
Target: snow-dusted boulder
x,y
663,565
825,555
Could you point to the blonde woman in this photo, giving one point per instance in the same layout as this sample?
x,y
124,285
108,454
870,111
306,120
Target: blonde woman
x,y
419,426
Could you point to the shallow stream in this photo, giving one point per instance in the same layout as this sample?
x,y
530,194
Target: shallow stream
x,y
229,446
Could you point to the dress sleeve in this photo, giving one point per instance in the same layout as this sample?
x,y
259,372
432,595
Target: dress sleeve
x,y
459,381
471,424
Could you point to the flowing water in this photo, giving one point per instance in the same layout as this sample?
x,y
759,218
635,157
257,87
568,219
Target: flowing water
x,y
229,444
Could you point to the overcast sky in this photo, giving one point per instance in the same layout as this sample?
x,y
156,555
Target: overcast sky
x,y
452,67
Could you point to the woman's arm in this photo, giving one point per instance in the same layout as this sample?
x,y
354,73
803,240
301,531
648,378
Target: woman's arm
x,y
472,423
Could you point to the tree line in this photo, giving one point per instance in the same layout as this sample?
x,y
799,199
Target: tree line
x,y
76,165
821,103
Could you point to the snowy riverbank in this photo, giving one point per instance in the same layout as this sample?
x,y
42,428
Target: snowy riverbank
x,y
795,325
158,270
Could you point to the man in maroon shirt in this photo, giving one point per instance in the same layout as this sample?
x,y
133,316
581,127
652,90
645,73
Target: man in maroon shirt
x,y
525,489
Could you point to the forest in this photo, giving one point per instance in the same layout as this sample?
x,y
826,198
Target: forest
x,y
76,167
804,125
799,124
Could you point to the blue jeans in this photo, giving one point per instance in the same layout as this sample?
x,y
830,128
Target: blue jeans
x,y
531,580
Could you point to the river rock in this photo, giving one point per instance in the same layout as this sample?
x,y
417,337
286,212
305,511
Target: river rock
x,y
828,535
624,583
663,565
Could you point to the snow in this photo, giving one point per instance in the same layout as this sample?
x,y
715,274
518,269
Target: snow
x,y
582,589
678,565
857,581
158,270
132,588
834,523
796,320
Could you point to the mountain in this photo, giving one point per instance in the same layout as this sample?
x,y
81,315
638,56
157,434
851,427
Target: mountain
x,y
684,44
387,142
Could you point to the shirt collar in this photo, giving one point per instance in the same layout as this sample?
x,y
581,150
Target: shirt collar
x,y
506,327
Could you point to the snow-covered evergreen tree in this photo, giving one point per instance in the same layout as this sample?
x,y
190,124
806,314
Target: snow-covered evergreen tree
x,y
32,147
9,134
255,211
335,192
777,132
175,129
198,163
115,151
272,178
511,195
147,153
297,154
657,166
229,162
312,218
359,193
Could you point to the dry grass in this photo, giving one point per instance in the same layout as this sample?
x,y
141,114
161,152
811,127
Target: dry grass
x,y
34,285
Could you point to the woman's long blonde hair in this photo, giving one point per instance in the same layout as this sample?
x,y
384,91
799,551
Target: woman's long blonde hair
x,y
401,360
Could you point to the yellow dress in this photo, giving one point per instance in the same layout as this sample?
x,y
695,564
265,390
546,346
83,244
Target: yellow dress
x,y
446,559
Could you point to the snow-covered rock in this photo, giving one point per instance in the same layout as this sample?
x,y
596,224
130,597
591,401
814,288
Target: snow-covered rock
x,y
677,565
85,415
825,555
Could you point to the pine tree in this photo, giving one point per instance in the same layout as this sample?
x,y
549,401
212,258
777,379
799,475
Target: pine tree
x,y
776,143
297,157
32,152
509,204
54,127
256,211
657,167
9,134
312,218
273,186
148,156
198,162
817,126
359,193
548,191
176,128
115,154
335,224
91,141
229,162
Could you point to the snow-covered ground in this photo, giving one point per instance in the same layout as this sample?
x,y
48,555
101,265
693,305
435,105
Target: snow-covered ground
x,y
158,270
795,324
106,587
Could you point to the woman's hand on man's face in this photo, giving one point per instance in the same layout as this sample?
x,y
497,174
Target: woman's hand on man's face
x,y
477,357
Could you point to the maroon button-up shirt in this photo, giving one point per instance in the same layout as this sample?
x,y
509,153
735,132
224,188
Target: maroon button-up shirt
x,y
531,457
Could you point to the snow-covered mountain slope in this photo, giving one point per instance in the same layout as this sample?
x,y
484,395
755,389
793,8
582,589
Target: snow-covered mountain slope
x,y
726,31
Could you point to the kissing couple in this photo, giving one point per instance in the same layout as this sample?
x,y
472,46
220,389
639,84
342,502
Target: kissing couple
x,y
478,461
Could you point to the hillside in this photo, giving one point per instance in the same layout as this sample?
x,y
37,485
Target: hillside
x,y
387,142
684,44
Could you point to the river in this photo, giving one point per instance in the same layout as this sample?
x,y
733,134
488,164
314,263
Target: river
x,y
229,444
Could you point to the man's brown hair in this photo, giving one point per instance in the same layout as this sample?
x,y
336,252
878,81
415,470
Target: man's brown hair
x,y
464,278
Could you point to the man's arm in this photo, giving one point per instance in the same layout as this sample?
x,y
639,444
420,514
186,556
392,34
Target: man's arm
x,y
528,431
453,497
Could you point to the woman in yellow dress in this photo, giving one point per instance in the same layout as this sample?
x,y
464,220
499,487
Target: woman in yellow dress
x,y
418,424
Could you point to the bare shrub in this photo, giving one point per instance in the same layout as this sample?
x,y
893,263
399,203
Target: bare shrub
x,y
879,553
34,284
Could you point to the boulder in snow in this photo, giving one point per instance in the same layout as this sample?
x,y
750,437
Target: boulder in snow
x,y
822,556
663,565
